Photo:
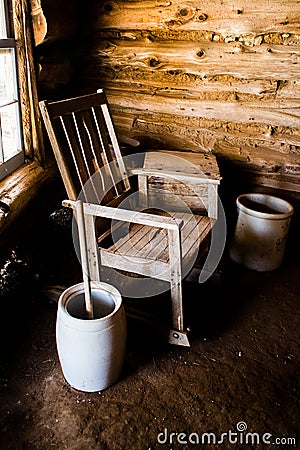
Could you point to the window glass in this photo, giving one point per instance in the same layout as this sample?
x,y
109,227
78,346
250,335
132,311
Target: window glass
x,y
3,33
11,153
9,108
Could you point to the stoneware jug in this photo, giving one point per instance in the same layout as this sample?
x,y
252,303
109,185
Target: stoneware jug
x,y
91,351
261,231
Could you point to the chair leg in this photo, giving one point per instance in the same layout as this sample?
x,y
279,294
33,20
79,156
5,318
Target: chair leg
x,y
177,335
177,308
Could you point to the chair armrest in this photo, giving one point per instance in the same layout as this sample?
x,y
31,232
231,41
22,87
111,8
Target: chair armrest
x,y
181,176
126,215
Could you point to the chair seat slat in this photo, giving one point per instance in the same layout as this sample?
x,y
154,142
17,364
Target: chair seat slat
x,y
152,244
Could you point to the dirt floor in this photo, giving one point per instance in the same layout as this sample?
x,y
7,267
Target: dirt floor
x,y
241,373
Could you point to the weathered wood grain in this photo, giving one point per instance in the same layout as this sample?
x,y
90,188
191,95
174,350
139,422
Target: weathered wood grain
x,y
161,35
220,77
276,112
265,159
270,147
203,58
217,87
221,16
204,133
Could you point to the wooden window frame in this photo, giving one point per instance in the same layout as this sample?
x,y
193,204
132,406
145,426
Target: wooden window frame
x,y
20,187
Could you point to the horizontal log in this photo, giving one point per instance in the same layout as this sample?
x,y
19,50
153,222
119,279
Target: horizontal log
x,y
189,135
275,62
209,85
268,132
200,135
20,188
259,151
218,87
276,112
160,35
221,16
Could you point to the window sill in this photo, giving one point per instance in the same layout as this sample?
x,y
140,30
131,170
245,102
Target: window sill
x,y
18,189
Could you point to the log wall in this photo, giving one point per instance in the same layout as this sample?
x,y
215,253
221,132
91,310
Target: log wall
x,y
220,77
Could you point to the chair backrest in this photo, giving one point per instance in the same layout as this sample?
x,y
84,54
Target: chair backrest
x,y
85,145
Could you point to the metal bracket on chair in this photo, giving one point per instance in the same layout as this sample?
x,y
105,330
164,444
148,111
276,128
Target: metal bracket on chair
x,y
178,338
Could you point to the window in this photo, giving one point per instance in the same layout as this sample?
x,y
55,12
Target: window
x,y
11,148
25,167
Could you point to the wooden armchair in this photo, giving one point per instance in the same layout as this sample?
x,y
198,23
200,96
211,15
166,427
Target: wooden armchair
x,y
149,244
